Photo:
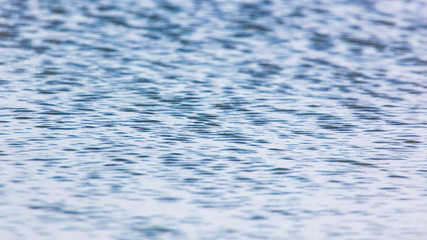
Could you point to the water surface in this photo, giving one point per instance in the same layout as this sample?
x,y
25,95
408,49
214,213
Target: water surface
x,y
211,119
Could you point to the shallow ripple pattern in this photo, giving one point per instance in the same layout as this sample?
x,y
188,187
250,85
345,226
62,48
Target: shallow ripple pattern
x,y
212,119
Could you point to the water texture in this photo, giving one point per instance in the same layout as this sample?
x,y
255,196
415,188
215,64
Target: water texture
x,y
212,119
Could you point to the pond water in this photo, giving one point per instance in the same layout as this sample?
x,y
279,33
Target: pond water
x,y
213,119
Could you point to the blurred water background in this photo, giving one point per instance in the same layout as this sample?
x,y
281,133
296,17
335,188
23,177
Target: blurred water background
x,y
213,119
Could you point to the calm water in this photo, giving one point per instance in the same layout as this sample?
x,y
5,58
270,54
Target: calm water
x,y
213,119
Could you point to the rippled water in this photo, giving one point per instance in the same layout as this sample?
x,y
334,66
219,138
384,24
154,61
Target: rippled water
x,y
211,119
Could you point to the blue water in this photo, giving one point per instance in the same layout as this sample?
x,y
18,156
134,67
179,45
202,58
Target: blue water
x,y
213,119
